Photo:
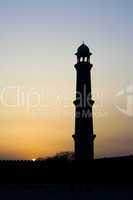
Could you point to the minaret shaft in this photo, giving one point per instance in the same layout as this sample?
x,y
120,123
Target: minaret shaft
x,y
84,136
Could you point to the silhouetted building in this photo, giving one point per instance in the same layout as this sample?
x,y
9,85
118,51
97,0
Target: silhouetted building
x,y
84,136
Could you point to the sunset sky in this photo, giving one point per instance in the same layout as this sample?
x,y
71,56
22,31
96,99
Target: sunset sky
x,y
38,40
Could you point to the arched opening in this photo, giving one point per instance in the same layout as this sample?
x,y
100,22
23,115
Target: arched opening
x,y
81,59
86,59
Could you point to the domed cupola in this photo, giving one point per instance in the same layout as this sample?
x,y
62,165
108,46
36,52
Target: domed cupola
x,y
83,53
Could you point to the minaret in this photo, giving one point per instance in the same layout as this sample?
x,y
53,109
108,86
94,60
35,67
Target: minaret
x,y
84,136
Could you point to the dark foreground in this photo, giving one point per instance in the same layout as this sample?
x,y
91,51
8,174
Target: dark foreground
x,y
98,179
65,192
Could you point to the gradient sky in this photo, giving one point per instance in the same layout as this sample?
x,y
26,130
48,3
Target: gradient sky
x,y
38,39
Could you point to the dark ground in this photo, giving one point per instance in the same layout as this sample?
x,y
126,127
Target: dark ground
x,y
98,179
65,191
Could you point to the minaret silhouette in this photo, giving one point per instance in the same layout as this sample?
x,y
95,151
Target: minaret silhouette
x,y
84,136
